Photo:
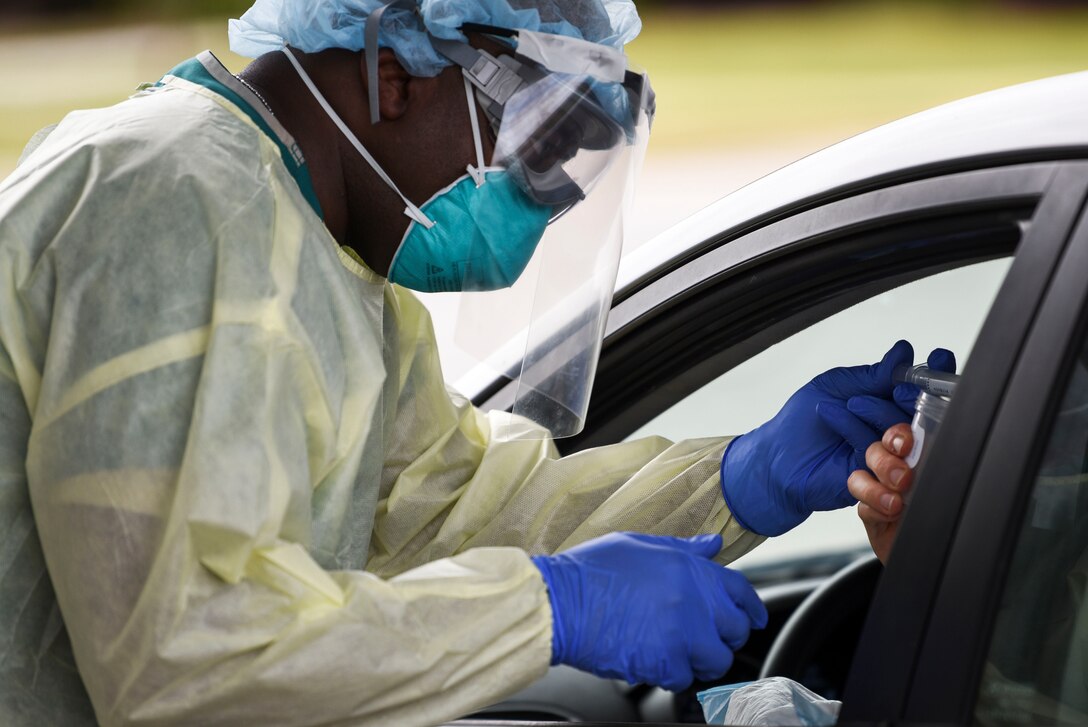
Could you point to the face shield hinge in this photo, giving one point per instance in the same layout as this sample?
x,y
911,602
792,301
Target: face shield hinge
x,y
483,70
641,96
498,78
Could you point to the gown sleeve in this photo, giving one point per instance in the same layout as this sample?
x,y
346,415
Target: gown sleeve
x,y
449,486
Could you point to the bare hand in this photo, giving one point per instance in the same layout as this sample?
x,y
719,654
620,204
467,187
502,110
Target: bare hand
x,y
880,498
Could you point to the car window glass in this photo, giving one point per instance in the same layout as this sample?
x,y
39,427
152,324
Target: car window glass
x,y
1037,670
942,310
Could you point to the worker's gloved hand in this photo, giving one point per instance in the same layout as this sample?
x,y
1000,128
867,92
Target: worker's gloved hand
x,y
867,416
648,608
797,463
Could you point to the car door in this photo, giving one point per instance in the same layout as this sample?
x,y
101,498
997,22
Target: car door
x,y
979,556
704,316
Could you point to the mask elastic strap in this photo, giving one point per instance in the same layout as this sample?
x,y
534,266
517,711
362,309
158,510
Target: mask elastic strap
x,y
410,209
477,172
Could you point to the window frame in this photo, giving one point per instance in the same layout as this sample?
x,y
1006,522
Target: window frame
x,y
636,354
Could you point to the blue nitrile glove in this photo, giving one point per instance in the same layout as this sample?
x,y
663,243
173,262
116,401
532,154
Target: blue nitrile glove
x,y
648,608
797,463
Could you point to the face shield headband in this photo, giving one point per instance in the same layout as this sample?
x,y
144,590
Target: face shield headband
x,y
560,108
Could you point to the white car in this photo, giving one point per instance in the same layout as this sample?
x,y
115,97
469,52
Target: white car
x,y
962,227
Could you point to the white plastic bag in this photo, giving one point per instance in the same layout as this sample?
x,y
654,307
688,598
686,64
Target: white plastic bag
x,y
776,701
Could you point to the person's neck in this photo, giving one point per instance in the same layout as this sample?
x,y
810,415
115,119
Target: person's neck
x,y
278,84
360,209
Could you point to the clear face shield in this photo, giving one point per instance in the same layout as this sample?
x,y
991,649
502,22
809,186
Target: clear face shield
x,y
570,124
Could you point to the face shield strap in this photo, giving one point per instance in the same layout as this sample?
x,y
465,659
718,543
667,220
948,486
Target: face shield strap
x,y
410,209
477,172
370,40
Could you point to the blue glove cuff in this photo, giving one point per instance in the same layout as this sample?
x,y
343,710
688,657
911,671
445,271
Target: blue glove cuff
x,y
725,490
753,499
544,565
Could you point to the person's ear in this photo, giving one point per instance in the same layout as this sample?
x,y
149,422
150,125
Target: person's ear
x,y
392,84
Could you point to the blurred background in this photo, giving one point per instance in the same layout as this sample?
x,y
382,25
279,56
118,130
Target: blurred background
x,y
744,87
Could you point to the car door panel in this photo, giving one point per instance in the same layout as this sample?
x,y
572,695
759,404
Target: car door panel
x,y
920,647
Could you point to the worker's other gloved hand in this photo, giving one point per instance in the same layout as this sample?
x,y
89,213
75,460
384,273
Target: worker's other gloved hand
x,y
797,463
648,608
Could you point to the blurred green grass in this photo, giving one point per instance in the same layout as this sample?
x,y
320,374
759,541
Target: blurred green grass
x,y
751,77
46,74
724,78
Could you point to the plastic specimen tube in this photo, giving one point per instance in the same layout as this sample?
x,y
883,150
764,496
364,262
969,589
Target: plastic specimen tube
x,y
939,383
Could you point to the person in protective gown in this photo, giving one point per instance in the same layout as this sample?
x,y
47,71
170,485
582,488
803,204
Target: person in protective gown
x,y
234,487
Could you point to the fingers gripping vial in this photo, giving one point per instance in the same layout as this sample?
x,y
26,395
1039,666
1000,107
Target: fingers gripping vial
x,y
932,403
798,463
777,475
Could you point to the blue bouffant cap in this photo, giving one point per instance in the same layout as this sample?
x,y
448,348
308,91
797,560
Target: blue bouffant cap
x,y
314,25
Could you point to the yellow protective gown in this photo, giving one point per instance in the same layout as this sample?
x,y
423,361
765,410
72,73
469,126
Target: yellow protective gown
x,y
230,448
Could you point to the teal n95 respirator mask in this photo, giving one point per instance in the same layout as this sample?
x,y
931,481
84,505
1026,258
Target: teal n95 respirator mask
x,y
482,239
484,233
